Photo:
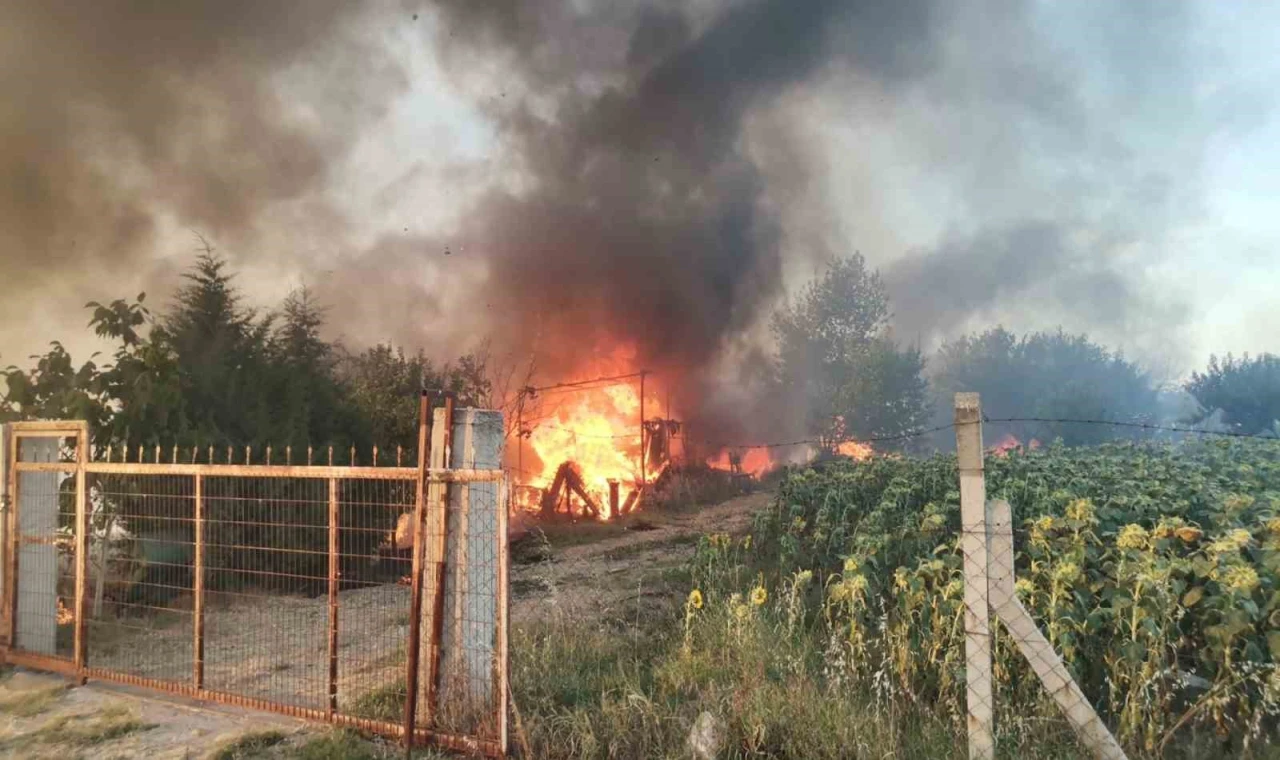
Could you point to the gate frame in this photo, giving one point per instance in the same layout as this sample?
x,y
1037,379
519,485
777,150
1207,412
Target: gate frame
x,y
77,667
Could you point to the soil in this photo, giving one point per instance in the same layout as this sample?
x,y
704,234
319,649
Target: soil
x,y
618,572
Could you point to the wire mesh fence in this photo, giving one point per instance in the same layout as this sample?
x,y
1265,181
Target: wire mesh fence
x,y
284,587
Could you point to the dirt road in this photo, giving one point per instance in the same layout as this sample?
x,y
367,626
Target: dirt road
x,y
603,572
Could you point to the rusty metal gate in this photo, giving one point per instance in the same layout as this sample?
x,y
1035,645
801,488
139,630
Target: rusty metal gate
x,y
366,595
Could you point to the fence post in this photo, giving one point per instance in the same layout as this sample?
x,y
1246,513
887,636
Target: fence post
x,y
1046,663
80,651
973,542
333,596
438,532
415,583
197,648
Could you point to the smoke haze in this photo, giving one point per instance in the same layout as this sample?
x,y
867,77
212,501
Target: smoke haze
x,y
569,176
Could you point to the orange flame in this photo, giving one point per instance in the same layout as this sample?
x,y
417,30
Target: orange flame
x,y
855,450
1009,442
595,427
751,461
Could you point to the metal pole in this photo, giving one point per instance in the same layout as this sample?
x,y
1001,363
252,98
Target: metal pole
x,y
644,476
415,585
197,675
333,595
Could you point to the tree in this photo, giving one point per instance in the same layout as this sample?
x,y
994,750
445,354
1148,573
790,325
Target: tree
x,y
143,384
1047,376
55,389
383,385
222,351
1245,390
308,398
835,351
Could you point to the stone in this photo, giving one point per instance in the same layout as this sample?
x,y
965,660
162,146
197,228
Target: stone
x,y
707,738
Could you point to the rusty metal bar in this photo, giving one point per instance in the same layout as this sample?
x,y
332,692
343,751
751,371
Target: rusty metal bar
x,y
440,550
66,467
273,471
80,644
504,602
333,595
197,623
42,428
11,538
644,449
415,599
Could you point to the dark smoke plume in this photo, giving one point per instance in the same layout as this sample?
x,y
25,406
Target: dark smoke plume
x,y
119,117
642,220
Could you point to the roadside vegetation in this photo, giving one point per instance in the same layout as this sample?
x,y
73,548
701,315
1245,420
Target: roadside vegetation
x,y
834,629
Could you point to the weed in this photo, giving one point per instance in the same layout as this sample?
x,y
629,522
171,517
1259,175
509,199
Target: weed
x,y
28,704
249,746
383,703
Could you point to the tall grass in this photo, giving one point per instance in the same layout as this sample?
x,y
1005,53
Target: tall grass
x,y
834,629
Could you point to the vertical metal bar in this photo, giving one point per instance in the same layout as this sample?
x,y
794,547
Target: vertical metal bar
x,y
462,576
333,596
197,647
82,550
415,585
503,610
440,550
644,475
11,540
973,544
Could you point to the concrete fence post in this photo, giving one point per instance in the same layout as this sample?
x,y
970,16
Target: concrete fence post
x,y
973,543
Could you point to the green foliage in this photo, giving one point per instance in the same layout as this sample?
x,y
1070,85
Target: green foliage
x,y
1246,390
835,353
207,372
1154,569
1048,376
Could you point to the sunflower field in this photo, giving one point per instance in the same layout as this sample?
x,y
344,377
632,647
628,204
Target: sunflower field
x,y
1153,568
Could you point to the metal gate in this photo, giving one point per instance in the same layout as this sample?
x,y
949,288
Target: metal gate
x,y
372,596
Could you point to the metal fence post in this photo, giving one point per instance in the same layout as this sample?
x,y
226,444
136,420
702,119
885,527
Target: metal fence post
x,y
973,542
415,583
80,644
197,648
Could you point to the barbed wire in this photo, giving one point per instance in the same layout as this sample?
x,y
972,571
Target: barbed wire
x,y
1137,425
579,384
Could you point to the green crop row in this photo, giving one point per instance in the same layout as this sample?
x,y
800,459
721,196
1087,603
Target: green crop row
x,y
1154,569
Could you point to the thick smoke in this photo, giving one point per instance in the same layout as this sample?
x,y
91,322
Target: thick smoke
x,y
640,216
120,118
654,174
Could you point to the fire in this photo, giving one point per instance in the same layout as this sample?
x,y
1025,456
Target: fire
x,y
1010,441
855,450
597,428
751,461
64,616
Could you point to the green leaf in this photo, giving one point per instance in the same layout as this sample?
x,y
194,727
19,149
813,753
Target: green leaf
x,y
1191,597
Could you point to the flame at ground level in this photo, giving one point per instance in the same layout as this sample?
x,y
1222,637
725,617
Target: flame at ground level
x,y
855,450
596,427
1010,441
752,461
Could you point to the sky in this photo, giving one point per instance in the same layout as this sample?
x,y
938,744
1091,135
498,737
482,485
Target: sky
x,y
426,167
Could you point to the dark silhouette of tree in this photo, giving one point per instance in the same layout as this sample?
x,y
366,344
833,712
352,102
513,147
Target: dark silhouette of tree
x,y
1050,375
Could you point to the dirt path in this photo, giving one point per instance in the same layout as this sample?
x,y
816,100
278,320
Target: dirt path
x,y
41,717
624,573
